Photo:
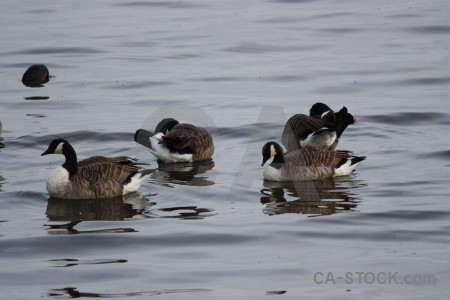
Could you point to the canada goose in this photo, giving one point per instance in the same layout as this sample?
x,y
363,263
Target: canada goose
x,y
307,163
322,128
177,142
92,178
35,76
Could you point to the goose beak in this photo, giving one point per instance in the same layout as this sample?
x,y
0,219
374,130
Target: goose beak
x,y
264,161
45,153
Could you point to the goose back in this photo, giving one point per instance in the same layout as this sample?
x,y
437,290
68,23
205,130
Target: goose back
x,y
123,160
299,127
322,128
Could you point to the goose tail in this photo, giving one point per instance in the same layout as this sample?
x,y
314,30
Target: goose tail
x,y
347,165
146,173
343,119
136,180
142,136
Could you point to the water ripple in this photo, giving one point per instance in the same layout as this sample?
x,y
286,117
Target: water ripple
x,y
138,84
425,81
56,50
162,4
268,48
276,78
341,30
431,29
410,118
292,1
345,15
442,154
40,141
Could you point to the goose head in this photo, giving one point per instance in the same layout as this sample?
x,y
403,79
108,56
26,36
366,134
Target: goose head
x,y
323,112
166,125
271,149
318,109
56,147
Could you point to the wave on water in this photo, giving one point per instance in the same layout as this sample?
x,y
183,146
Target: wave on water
x,y
410,118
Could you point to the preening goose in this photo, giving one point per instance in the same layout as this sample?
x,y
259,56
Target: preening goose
x,y
307,163
322,128
177,142
92,178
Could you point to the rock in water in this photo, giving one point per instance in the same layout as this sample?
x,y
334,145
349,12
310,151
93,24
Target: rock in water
x,y
35,76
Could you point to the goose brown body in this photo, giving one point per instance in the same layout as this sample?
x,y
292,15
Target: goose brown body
x,y
311,162
95,181
174,142
188,138
307,163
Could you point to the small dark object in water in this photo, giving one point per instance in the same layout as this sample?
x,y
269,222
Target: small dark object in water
x,y
37,98
35,76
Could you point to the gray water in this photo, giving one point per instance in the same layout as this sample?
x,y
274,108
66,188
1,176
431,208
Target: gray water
x,y
217,230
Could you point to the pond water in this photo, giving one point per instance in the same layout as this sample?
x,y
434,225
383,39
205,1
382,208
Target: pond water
x,y
216,230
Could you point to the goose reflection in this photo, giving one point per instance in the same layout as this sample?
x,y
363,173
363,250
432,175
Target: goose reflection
x,y
1,138
68,228
184,173
73,292
315,198
128,207
184,212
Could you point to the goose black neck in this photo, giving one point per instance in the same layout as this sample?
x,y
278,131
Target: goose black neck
x,y
278,161
71,159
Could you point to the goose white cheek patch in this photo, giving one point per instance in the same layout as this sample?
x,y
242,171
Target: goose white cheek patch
x,y
59,148
273,152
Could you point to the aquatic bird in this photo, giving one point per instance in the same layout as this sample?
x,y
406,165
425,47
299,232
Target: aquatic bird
x,y
35,76
177,142
92,178
307,163
322,128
